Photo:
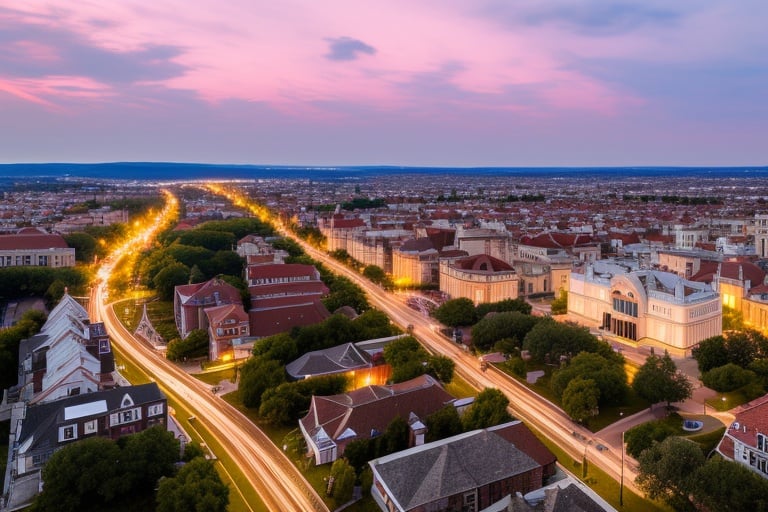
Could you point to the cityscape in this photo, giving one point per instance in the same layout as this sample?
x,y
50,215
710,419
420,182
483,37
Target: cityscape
x,y
462,256
285,329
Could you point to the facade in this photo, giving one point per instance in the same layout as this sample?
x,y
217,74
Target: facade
x,y
470,472
228,332
339,230
39,430
191,300
334,421
484,241
658,307
480,278
761,235
284,296
415,262
32,247
69,356
746,440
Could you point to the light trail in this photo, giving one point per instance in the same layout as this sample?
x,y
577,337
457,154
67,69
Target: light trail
x,y
277,481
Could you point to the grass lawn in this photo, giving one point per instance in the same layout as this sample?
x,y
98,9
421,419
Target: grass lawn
x,y
215,377
459,388
607,415
727,401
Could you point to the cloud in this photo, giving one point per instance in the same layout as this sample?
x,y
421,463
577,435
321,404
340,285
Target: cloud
x,y
347,48
597,18
35,51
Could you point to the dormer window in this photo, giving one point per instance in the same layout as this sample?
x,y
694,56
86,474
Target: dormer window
x,y
762,443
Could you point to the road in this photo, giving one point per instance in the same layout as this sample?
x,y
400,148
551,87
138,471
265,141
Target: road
x,y
526,405
281,486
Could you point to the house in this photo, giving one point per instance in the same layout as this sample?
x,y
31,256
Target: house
x,y
229,332
33,247
39,430
361,362
746,440
69,356
469,471
284,296
566,495
334,421
191,300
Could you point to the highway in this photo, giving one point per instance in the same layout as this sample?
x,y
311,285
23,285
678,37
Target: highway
x,y
525,405
281,486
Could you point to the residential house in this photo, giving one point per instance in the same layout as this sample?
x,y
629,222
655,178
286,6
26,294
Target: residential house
x,y
229,332
361,362
469,472
191,300
39,430
746,439
334,421
69,356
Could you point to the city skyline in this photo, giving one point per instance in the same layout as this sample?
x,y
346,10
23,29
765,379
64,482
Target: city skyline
x,y
361,83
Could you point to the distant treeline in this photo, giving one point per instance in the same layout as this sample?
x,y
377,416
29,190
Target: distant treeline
x,y
675,199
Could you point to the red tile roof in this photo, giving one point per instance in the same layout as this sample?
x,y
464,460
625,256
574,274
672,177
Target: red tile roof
x,y
31,241
282,270
483,262
278,317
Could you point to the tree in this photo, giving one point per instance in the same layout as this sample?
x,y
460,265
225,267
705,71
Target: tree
x,y
580,399
395,436
256,376
168,278
194,345
710,353
507,325
442,423
609,377
343,475
376,274
196,488
559,306
148,456
727,378
456,312
81,476
84,244
504,306
642,436
489,409
659,381
667,471
728,486
441,368
548,340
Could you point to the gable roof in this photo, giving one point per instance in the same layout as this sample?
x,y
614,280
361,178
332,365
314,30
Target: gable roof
x,y
749,420
215,291
374,407
340,358
31,240
274,316
430,472
39,429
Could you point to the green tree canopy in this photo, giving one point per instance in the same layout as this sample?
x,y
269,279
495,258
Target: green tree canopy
x,y
727,378
580,399
667,471
659,381
168,278
506,325
710,353
642,436
257,375
196,344
488,409
549,339
503,306
728,486
608,375
456,312
196,488
84,244
443,423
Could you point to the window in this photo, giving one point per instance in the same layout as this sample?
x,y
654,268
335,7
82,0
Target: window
x,y
90,427
155,410
762,443
67,433
127,416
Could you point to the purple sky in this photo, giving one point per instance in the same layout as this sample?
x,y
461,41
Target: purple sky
x,y
396,82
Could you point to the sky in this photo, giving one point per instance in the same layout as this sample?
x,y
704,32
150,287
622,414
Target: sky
x,y
397,82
